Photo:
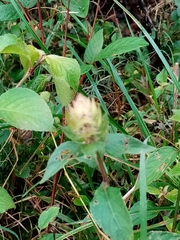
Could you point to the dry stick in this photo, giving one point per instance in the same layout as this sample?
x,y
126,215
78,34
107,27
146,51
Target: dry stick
x,y
75,190
30,71
66,29
29,20
16,157
40,22
95,17
56,176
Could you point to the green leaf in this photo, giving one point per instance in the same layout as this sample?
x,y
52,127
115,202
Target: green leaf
x,y
66,73
135,212
38,83
28,60
118,144
94,47
8,12
162,235
121,46
176,116
47,216
110,213
161,78
85,68
28,3
172,195
79,8
78,202
60,157
9,43
25,109
158,162
23,171
89,153
175,171
6,201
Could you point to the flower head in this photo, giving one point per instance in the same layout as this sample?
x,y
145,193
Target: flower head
x,y
84,118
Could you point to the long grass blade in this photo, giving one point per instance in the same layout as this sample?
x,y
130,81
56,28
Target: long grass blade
x,y
154,45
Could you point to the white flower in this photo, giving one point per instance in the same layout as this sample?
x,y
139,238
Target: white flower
x,y
84,118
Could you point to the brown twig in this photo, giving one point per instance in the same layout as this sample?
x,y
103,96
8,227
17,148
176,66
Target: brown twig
x,y
27,17
56,176
66,29
30,71
95,18
40,22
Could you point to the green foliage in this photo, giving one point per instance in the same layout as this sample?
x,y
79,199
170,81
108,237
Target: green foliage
x,y
94,47
66,73
80,9
109,211
163,235
6,201
24,109
98,156
47,216
8,13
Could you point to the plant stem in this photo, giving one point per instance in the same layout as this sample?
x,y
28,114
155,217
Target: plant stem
x,y
102,169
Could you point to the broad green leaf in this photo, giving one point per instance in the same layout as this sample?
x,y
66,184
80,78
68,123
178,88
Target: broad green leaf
x,y
94,47
8,13
118,144
110,213
6,201
176,116
66,73
10,43
153,190
161,78
175,171
158,162
60,157
25,109
121,46
79,8
172,195
162,235
63,90
135,212
33,55
28,3
47,216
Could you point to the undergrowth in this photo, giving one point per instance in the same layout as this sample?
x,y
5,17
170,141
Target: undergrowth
x,y
89,120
